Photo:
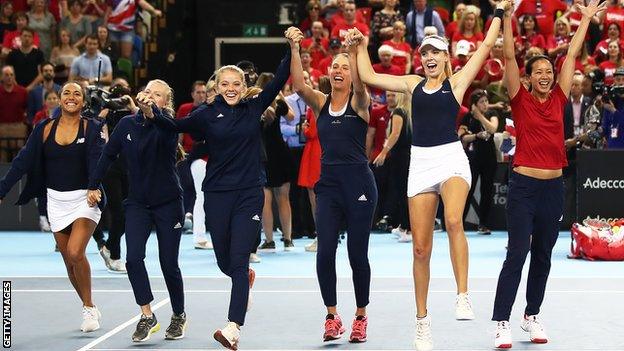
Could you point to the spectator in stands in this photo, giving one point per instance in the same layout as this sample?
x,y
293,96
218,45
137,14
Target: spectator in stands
x,y
385,66
313,8
574,16
613,34
543,12
51,104
121,17
44,24
306,61
613,117
420,17
401,51
383,20
85,66
317,45
451,28
529,35
293,133
12,39
334,49
26,60
106,47
476,133
557,44
63,54
613,14
13,99
36,97
349,20
469,29
95,10
340,15
6,13
614,60
76,24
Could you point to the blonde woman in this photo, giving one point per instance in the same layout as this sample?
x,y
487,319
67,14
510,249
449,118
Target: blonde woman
x,y
468,28
150,154
438,165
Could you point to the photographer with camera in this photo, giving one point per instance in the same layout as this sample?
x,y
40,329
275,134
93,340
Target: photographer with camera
x,y
613,113
116,104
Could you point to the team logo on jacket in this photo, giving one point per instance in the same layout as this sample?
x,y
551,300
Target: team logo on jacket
x,y
336,121
80,141
256,218
220,115
128,137
362,198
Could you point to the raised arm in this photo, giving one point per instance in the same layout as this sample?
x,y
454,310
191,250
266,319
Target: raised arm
x,y
313,98
511,77
567,69
402,84
461,80
272,89
361,99
191,124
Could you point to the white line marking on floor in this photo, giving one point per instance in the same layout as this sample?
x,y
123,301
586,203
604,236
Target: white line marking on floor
x,y
215,291
121,327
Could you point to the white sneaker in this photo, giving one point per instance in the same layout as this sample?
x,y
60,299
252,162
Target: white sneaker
x,y
502,339
106,256
90,319
534,327
44,225
187,228
228,336
311,247
254,258
423,341
396,231
204,245
463,307
117,266
405,236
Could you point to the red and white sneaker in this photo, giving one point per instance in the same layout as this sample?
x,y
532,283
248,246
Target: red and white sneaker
x,y
252,278
333,328
358,329
502,339
533,326
228,336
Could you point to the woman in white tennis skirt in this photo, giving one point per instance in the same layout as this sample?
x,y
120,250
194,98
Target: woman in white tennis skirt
x,y
438,164
58,157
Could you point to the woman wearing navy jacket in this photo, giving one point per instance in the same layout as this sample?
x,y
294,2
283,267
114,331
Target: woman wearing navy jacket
x,y
59,156
346,190
151,158
233,196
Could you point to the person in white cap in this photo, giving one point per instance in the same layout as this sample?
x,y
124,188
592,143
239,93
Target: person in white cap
x,y
438,163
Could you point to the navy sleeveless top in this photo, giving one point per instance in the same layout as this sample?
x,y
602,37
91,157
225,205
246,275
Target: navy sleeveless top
x,y
65,165
342,137
433,115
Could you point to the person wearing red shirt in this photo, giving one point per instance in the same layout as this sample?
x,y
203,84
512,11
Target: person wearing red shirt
x,y
385,66
613,34
545,12
614,54
313,7
198,93
468,29
317,45
613,14
344,13
401,50
51,103
12,39
451,28
306,61
535,195
340,29
529,36
13,99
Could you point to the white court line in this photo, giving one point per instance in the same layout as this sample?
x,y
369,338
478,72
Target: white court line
x,y
341,349
121,327
218,291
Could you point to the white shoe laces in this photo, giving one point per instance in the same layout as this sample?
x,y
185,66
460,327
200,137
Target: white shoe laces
x,y
423,331
89,313
535,324
463,302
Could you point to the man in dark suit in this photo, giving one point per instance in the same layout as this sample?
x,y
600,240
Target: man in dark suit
x,y
573,121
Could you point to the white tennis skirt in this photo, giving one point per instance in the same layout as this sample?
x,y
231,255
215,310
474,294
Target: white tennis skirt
x,y
431,166
64,207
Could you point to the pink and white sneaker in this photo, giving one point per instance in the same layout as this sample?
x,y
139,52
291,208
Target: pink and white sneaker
x,y
358,329
333,328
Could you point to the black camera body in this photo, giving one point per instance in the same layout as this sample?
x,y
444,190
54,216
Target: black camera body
x,y
98,99
613,93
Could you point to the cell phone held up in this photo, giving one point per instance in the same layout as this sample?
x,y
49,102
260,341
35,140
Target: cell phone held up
x,y
300,131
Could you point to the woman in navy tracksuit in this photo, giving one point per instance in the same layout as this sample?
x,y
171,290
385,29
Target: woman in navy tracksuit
x,y
346,190
59,156
233,196
154,198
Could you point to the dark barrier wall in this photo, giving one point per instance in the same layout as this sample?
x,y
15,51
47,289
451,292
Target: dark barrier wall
x,y
497,214
13,217
600,183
